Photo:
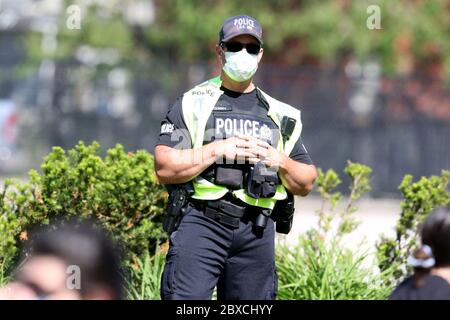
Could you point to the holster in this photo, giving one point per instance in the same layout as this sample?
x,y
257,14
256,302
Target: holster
x,y
178,199
283,214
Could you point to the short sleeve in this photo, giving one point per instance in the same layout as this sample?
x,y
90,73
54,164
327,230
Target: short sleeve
x,y
174,132
299,153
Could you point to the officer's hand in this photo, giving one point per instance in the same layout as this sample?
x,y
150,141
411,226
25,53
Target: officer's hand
x,y
263,151
273,158
235,148
258,148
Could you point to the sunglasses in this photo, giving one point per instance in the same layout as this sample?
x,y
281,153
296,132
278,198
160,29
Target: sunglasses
x,y
252,48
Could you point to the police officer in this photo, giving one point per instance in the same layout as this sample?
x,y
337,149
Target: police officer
x,y
240,150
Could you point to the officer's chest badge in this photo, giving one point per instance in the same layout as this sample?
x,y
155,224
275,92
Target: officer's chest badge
x,y
265,133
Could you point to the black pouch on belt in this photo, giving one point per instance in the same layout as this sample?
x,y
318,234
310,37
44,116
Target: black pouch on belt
x,y
232,178
224,212
262,182
227,207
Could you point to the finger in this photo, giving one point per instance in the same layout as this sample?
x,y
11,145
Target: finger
x,y
240,143
245,137
262,144
245,144
245,153
260,152
257,151
254,160
257,141
244,158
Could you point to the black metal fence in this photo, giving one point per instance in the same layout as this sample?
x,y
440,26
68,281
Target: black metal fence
x,y
397,126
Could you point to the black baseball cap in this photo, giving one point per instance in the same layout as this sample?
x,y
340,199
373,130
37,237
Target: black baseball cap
x,y
237,25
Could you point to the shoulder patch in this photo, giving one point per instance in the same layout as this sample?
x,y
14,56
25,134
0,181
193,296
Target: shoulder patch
x,y
167,128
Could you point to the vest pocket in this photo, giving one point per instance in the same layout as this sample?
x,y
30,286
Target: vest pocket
x,y
232,178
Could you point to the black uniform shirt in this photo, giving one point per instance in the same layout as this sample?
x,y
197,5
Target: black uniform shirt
x,y
234,113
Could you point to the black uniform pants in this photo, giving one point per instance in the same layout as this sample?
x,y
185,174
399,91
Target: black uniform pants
x,y
204,253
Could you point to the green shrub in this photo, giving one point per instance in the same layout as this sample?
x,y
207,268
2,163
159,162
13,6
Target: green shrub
x,y
326,272
326,183
420,198
13,201
120,192
320,267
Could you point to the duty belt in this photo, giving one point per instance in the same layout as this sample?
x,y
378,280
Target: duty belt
x,y
223,211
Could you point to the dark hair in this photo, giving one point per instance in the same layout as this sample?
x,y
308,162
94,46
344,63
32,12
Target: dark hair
x,y
436,234
435,250
87,247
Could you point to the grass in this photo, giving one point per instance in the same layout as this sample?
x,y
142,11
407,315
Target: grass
x,y
315,271
308,271
145,276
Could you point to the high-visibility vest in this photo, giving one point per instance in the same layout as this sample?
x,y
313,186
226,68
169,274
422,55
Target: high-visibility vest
x,y
197,106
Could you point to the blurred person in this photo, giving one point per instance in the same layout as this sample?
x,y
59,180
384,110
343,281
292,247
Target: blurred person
x,y
232,158
431,262
52,260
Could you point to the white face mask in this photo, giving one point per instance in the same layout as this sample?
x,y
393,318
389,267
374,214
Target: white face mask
x,y
240,66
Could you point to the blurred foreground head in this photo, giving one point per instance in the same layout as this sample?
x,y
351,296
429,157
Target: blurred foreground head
x,y
73,261
436,234
434,254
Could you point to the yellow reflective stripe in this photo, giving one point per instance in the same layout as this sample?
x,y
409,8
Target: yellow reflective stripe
x,y
201,123
215,81
268,203
197,106
274,116
275,119
261,202
189,119
205,190
277,110
281,193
